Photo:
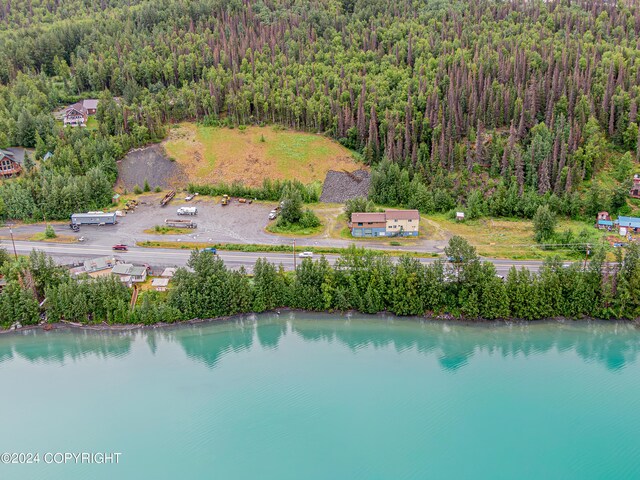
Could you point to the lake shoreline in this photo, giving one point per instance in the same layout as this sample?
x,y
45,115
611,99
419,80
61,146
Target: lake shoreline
x,y
101,327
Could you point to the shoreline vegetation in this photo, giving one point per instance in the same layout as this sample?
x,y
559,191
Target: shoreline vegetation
x,y
461,288
128,327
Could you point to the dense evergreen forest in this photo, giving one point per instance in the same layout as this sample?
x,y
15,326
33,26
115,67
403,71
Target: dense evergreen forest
x,y
504,105
361,280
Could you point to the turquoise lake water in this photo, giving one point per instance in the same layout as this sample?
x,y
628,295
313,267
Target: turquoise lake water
x,y
302,396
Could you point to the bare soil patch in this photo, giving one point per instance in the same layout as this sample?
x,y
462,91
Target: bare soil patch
x,y
150,164
343,185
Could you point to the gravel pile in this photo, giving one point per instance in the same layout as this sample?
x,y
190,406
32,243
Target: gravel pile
x,y
149,164
341,186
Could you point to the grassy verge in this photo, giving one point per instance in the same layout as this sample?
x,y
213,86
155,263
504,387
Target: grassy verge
x,y
293,230
512,238
252,247
41,237
162,230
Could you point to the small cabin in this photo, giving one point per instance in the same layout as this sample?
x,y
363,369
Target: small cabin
x,y
603,221
460,216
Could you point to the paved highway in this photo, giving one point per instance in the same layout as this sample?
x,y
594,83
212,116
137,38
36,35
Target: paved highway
x,y
165,257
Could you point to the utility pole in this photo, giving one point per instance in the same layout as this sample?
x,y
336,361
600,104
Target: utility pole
x,y
587,252
15,254
294,254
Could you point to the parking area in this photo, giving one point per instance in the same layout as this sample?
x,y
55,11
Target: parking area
x,y
234,223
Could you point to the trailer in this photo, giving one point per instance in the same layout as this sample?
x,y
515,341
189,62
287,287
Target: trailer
x,y
93,218
187,211
177,223
167,198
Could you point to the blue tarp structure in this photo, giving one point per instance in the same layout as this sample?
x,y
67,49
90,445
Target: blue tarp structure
x,y
629,222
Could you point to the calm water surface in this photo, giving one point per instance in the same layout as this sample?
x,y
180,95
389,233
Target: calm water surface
x,y
327,397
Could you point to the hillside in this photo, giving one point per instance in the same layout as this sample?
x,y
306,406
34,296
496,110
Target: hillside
x,y
493,106
249,155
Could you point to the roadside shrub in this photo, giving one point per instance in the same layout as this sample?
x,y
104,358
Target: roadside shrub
x,y
137,190
147,187
309,219
49,232
291,208
359,205
544,223
157,189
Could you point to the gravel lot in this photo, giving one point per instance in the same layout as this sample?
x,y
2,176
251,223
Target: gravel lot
x,y
150,164
235,223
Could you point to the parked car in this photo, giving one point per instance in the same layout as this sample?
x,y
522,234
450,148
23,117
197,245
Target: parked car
x,y
211,250
120,246
620,244
81,239
190,197
272,214
305,254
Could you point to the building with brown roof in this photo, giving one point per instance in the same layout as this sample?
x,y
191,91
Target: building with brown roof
x,y
390,223
404,223
77,114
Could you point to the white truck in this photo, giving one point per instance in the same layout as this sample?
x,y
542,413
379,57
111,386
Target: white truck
x,y
187,211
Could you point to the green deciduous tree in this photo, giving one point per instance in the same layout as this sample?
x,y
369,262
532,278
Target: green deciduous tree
x,y
544,224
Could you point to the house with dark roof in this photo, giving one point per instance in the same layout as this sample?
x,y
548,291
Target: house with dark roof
x,y
77,114
390,223
10,163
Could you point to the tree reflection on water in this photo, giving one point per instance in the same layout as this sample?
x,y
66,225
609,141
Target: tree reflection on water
x,y
613,345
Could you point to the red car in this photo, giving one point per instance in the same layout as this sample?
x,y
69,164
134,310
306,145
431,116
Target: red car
x,y
120,246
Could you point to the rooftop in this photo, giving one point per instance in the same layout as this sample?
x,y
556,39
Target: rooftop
x,y
129,269
14,153
169,272
629,222
90,103
137,271
368,218
95,214
100,263
403,214
122,269
160,282
78,107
